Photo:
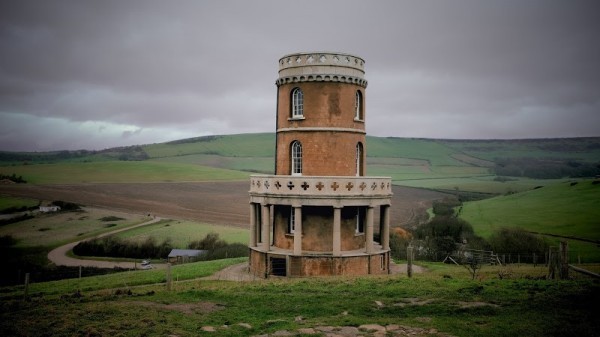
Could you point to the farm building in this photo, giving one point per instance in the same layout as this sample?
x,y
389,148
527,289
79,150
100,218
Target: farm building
x,y
49,209
185,255
316,214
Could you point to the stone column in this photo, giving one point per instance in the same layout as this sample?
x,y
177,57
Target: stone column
x,y
337,232
252,225
297,230
385,227
369,231
266,227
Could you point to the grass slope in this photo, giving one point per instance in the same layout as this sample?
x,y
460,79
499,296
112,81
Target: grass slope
x,y
54,229
120,172
12,202
430,163
243,145
444,302
559,209
182,232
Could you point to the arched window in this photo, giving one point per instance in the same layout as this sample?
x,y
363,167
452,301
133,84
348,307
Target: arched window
x,y
359,159
358,106
297,103
296,158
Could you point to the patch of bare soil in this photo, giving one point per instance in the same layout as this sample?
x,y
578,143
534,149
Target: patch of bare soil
x,y
466,305
185,308
365,330
224,203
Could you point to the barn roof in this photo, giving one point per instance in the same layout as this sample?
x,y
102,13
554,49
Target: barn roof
x,y
186,252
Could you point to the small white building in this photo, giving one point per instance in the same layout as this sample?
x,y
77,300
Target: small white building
x,y
49,209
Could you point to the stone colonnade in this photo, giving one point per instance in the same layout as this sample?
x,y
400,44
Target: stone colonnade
x,y
261,228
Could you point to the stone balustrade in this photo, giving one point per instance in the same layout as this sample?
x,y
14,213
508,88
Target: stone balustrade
x,y
320,186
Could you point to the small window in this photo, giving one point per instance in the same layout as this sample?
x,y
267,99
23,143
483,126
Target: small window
x,y
360,221
297,103
358,106
292,222
359,159
296,158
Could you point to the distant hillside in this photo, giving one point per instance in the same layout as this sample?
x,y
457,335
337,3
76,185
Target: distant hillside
x,y
495,166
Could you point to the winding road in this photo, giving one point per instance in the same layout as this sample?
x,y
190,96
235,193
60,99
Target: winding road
x,y
59,257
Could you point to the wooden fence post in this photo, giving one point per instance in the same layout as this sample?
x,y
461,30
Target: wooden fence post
x,y
26,292
409,260
564,260
552,262
168,277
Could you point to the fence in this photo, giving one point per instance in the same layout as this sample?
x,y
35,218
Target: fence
x,y
560,262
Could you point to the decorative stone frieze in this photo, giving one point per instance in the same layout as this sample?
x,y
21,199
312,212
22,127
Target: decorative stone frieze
x,y
324,186
322,78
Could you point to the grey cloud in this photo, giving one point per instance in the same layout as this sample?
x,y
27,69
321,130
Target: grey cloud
x,y
460,69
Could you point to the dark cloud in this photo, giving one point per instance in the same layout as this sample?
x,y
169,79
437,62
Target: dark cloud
x,y
146,71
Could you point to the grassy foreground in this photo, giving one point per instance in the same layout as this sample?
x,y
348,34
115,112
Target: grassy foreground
x,y
444,301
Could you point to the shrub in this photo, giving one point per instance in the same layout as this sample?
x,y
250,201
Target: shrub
x,y
66,206
210,242
517,240
398,245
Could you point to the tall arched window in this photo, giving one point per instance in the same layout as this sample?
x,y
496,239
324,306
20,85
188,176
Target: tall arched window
x,y
297,103
358,106
296,158
359,159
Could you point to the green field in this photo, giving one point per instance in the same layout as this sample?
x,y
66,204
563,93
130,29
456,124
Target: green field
x,y
431,163
182,232
11,202
243,145
441,302
564,208
54,229
120,172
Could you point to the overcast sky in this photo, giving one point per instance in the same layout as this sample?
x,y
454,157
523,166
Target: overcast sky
x,y
99,74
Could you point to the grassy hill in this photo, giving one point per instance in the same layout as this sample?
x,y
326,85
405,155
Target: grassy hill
x,y
569,209
458,166
443,301
469,165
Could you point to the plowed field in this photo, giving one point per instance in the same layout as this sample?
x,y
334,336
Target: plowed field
x,y
224,203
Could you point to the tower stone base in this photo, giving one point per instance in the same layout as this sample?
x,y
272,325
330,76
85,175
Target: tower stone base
x,y
273,263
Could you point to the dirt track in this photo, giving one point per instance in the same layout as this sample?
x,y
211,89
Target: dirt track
x,y
223,203
59,255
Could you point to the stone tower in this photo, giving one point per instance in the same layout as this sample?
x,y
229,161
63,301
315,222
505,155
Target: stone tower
x,y
316,215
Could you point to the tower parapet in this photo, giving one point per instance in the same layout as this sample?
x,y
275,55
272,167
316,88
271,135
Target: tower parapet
x,y
321,67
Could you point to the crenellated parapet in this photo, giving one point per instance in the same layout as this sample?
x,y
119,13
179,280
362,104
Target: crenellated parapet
x,y
321,67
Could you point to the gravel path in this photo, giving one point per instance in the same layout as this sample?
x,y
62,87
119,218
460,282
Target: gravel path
x,y
59,257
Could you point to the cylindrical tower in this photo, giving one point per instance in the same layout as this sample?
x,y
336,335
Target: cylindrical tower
x,y
321,112
316,215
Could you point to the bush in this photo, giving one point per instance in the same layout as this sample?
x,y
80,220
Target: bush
x,y
517,241
66,206
228,251
210,242
398,245
115,247
444,234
